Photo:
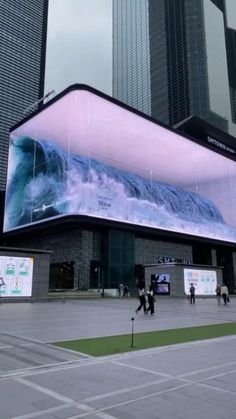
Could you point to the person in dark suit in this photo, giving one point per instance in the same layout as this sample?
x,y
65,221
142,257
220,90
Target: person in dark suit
x,y
192,294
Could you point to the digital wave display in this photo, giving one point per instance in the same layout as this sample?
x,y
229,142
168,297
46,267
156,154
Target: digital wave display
x,y
48,182
85,155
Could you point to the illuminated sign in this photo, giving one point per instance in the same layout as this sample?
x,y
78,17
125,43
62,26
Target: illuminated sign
x,y
167,259
204,281
219,144
86,155
16,275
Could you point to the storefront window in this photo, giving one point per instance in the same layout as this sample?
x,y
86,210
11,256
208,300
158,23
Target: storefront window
x,y
61,276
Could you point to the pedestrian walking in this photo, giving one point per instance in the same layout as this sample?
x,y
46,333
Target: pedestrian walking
x,y
121,290
151,300
224,293
142,300
192,294
126,291
218,294
2,284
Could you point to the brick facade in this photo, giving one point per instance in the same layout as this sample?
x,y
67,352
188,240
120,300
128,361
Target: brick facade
x,y
83,246
148,251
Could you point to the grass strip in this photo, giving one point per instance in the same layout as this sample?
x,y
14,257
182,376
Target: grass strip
x,y
122,343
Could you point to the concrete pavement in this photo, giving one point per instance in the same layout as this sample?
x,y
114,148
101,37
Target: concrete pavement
x,y
188,381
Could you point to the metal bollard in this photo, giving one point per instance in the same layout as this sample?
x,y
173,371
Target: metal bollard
x,y
132,333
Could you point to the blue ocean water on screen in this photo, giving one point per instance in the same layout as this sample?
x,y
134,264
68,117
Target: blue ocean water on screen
x,y
45,181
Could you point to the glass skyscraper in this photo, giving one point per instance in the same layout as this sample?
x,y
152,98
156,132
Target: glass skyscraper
x,y
190,59
131,70
23,27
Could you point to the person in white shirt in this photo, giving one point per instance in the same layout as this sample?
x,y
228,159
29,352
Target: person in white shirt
x,y
224,293
218,294
121,290
142,300
150,295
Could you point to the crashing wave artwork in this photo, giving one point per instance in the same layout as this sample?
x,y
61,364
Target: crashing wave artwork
x,y
46,182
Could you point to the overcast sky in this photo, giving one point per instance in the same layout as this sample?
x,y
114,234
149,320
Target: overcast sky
x,y
79,44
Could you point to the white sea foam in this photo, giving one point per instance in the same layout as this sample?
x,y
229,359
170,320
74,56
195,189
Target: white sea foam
x,y
106,198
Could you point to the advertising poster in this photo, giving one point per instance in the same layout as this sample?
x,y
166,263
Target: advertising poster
x,y
161,284
204,281
84,155
16,275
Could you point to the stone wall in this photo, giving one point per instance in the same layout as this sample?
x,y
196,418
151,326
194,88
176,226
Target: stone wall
x,y
148,251
82,246
176,273
79,246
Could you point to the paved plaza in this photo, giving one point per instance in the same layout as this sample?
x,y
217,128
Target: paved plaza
x,y
186,381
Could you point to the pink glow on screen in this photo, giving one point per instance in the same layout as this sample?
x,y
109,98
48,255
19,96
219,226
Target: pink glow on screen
x,y
93,126
85,124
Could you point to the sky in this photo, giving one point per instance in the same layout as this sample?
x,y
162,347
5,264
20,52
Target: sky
x,y
79,44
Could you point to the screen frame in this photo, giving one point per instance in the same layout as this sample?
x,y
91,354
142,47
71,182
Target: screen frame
x,y
102,95
93,220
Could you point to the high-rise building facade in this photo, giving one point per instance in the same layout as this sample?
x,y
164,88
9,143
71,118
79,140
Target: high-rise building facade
x,y
191,58
131,71
23,27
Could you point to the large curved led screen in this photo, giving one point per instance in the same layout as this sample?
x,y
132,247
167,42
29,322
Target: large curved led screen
x,y
86,155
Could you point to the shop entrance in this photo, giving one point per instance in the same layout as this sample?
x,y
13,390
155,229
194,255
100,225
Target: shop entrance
x,y
61,276
224,258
